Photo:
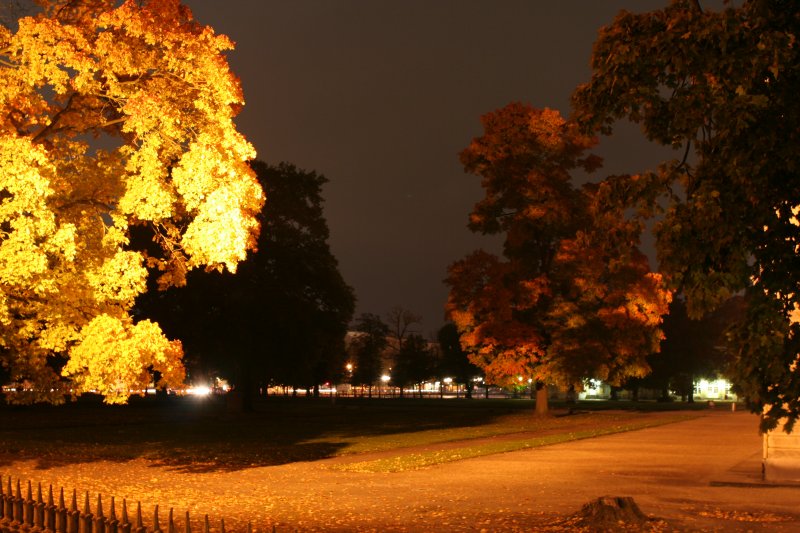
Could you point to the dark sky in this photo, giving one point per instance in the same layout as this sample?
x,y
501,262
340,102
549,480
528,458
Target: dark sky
x,y
380,96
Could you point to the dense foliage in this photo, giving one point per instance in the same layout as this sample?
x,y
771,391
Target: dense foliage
x,y
454,361
154,86
283,317
720,86
573,296
367,348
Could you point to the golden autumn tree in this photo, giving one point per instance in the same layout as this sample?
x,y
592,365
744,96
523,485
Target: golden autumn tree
x,y
152,87
572,297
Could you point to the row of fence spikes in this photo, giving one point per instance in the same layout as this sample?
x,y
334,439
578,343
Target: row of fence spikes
x,y
113,515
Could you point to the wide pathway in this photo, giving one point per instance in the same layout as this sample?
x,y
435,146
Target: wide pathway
x,y
697,475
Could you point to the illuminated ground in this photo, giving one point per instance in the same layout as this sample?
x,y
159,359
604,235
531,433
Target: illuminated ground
x,y
672,471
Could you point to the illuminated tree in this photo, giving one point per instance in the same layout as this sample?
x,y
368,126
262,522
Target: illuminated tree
x,y
720,86
152,85
573,296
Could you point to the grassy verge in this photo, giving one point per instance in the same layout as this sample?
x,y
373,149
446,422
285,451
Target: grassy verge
x,y
203,436
414,461
501,424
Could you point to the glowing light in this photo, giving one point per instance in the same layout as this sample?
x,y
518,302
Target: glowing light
x,y
448,380
385,378
199,391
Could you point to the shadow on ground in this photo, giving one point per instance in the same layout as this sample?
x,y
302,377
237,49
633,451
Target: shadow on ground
x,y
193,435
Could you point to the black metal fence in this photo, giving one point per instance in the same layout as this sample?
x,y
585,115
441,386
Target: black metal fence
x,y
20,513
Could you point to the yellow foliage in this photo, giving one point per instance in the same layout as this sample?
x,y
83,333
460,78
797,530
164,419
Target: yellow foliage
x,y
155,82
113,357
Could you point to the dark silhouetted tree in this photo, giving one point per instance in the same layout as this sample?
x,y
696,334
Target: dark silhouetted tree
x,y
721,87
401,322
693,349
454,361
367,349
284,316
413,364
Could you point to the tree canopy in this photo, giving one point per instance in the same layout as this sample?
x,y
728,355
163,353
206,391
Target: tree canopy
x,y
367,349
283,317
720,86
154,86
573,296
454,360
413,363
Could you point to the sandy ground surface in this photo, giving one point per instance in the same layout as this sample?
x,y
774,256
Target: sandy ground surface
x,y
696,475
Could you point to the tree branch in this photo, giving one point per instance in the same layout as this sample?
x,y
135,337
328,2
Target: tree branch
x,y
112,122
685,155
86,201
45,130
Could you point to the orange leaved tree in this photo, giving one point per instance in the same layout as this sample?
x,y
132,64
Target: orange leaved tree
x,y
572,297
153,88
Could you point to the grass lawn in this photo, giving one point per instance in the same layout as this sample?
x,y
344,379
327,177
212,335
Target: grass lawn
x,y
200,435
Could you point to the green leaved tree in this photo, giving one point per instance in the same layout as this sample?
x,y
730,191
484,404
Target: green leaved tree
x,y
721,88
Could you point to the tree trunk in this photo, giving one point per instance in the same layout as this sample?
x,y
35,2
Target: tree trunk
x,y
542,408
608,513
468,391
665,393
572,398
242,399
691,389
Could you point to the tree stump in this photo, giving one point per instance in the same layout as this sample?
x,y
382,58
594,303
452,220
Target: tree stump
x,y
610,511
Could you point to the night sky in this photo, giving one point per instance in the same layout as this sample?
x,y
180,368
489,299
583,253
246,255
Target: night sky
x,y
380,96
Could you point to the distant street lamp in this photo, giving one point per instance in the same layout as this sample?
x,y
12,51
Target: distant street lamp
x,y
385,380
